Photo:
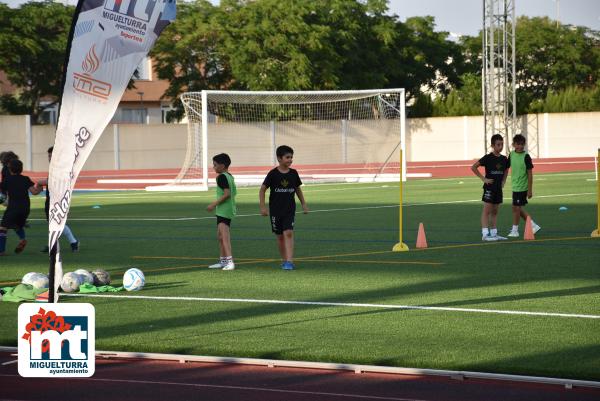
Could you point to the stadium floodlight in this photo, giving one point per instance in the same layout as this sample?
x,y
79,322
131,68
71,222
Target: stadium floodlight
x,y
337,136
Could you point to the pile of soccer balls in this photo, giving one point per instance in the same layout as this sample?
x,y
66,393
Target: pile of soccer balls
x,y
133,279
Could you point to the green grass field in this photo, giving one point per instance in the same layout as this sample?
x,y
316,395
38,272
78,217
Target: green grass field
x,y
343,252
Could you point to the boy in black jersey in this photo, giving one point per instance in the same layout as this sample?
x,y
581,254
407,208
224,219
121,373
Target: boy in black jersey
x,y
496,170
17,187
284,184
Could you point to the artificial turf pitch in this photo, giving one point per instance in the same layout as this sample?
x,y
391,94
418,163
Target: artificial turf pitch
x,y
343,256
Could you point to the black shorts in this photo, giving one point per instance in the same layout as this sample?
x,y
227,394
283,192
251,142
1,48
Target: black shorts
x,y
279,224
221,219
520,198
492,195
14,218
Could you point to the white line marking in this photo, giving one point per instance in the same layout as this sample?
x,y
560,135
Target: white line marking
x,y
245,388
351,304
133,218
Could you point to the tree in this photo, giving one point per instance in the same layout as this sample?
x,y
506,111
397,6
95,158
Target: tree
x,y
549,58
275,45
461,101
304,45
33,39
190,52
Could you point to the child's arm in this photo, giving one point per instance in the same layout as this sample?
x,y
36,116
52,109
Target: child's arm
x,y
504,177
36,189
302,201
475,170
226,195
529,183
261,200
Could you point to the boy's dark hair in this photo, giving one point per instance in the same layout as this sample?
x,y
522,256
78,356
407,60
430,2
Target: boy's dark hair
x,y
519,139
15,166
50,149
284,150
6,157
222,158
496,138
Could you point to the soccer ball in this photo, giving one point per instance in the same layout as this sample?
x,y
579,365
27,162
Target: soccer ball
x,y
70,282
101,277
27,279
134,280
39,280
86,276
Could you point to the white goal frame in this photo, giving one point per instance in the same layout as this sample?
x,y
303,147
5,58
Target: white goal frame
x,y
198,132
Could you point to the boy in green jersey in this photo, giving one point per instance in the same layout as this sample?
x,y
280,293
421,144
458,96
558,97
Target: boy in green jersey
x,y
521,173
225,210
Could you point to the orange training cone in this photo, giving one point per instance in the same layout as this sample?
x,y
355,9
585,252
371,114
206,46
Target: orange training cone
x,y
528,230
421,240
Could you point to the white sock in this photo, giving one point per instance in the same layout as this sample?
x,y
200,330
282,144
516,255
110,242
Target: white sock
x,y
484,231
515,228
69,234
493,232
228,259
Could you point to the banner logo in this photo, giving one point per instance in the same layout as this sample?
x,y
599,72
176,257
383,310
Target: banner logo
x,y
91,62
56,340
84,83
138,9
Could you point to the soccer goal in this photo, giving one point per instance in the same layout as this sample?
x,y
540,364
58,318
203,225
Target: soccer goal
x,y
337,136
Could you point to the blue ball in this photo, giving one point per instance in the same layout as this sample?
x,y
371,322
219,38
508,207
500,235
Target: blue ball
x,y
563,208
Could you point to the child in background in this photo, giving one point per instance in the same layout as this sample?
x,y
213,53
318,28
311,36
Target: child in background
x,y
521,174
284,184
17,187
225,210
74,242
496,169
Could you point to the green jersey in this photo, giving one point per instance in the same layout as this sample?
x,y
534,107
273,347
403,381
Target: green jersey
x,y
519,163
226,209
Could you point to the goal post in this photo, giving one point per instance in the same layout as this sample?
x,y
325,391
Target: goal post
x,y
337,136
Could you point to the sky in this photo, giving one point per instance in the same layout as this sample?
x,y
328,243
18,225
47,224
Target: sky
x,y
465,17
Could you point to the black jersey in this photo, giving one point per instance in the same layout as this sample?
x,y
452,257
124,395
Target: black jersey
x,y
495,167
17,189
282,191
5,173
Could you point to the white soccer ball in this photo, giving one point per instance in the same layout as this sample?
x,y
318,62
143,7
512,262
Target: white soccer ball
x,y
39,280
134,280
71,282
101,277
86,276
28,277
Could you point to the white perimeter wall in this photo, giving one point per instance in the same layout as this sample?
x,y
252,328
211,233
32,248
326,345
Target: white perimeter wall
x,y
136,146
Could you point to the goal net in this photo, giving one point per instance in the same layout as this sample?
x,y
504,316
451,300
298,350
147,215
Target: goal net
x,y
337,136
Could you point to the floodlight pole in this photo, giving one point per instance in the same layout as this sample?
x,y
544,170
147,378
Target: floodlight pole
x,y
498,73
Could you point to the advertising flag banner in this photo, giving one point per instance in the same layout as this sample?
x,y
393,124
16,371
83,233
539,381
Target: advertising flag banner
x,y
109,39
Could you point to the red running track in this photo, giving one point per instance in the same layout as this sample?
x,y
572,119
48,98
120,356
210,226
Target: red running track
x,y
438,169
149,380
